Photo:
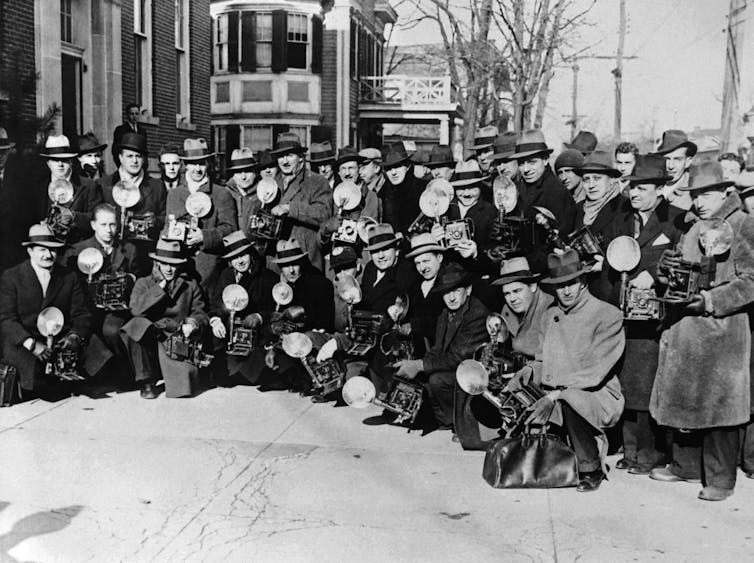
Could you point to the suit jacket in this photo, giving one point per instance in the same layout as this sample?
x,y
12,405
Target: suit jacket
x,y
424,314
310,199
118,133
21,301
399,279
457,338
125,257
87,194
257,282
153,196
314,292
549,192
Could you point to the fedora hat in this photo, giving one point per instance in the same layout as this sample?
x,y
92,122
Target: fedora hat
x,y
288,143
168,252
382,235
440,155
370,154
89,143
569,158
599,162
422,243
41,235
321,153
5,142
58,146
347,154
288,252
504,146
584,142
420,157
467,174
485,137
396,156
673,139
516,270
265,160
649,169
451,277
195,150
563,267
242,159
343,257
745,183
707,175
530,143
134,142
235,244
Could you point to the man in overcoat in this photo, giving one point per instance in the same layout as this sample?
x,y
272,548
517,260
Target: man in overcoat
x,y
679,154
703,377
243,171
163,303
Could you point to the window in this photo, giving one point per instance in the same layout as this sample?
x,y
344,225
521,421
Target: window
x,y
257,137
298,38
263,36
221,42
222,92
143,53
182,78
354,48
66,20
256,91
220,139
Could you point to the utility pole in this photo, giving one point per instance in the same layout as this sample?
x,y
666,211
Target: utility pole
x,y
618,72
573,119
732,122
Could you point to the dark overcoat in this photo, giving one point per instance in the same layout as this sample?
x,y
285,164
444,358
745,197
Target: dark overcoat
x,y
456,338
314,292
424,314
153,196
549,192
400,204
21,301
703,378
399,279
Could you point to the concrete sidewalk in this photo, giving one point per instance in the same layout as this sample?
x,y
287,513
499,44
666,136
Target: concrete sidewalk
x,y
238,475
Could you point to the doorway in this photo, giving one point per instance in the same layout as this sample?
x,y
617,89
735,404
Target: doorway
x,y
71,103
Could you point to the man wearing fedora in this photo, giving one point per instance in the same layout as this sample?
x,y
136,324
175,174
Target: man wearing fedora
x,y
243,175
583,343
205,242
484,140
247,269
461,328
441,162
163,303
25,290
703,377
61,161
565,167
170,165
650,220
131,151
625,156
370,172
347,165
321,159
503,148
400,196
306,200
679,155
90,156
130,125
539,186
585,142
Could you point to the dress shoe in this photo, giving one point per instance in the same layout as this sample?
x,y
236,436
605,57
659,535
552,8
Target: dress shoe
x,y
666,475
749,474
590,481
148,391
715,493
624,463
638,469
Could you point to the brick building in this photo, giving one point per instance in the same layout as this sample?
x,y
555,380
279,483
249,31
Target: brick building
x,y
93,57
294,66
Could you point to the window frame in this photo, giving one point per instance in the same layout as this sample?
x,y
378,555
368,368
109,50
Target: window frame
x,y
257,40
66,21
183,61
221,22
298,17
142,30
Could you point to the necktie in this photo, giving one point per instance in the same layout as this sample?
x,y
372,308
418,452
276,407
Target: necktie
x,y
638,224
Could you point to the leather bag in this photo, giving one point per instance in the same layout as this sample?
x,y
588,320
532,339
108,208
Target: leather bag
x,y
530,461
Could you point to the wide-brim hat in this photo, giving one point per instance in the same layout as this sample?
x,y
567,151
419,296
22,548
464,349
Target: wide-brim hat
x,y
242,159
168,252
439,156
649,169
288,252
195,150
134,142
396,156
89,143
321,153
343,257
516,270
745,183
467,174
382,236
451,277
673,139
41,235
5,142
504,146
530,143
563,267
58,147
707,175
485,137
599,162
347,154
422,243
288,143
585,142
235,244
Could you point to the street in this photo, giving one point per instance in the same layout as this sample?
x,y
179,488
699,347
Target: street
x,y
238,475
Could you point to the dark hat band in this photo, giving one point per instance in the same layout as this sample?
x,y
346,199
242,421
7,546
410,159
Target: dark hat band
x,y
518,274
241,243
289,253
193,153
471,175
528,147
384,237
479,141
58,150
242,162
168,253
566,270
35,239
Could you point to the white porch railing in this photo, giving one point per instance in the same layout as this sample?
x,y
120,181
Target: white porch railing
x,y
407,90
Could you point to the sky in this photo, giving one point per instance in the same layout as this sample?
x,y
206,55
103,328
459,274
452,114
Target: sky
x,y
676,81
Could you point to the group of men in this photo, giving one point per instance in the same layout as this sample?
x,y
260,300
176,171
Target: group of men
x,y
427,250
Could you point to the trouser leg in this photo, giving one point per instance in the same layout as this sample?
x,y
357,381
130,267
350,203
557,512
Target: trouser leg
x,y
652,448
582,438
630,435
440,388
143,356
687,455
720,456
747,449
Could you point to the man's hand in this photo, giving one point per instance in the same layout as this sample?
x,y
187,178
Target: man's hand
x,y
218,328
540,411
41,352
520,379
408,368
437,232
252,320
599,262
281,209
405,329
327,350
669,259
71,340
332,225
168,325
466,248
643,281
194,237
697,305
189,327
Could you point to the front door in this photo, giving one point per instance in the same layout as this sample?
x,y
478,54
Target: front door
x,y
71,82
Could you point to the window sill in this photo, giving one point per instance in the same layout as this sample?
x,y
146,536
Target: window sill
x,y
184,124
149,120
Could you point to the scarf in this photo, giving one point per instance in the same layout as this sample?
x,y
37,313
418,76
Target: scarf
x,y
195,186
592,208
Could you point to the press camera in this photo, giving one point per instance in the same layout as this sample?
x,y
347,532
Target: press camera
x,y
185,349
